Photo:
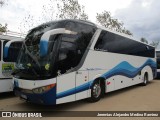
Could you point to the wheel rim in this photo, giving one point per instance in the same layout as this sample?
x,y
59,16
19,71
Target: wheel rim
x,y
96,90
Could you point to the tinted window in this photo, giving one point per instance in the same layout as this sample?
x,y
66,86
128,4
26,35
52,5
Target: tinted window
x,y
158,63
79,27
12,52
84,34
158,54
118,44
34,35
158,59
73,46
68,57
4,43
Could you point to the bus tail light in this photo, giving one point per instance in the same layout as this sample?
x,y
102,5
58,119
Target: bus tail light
x,y
43,89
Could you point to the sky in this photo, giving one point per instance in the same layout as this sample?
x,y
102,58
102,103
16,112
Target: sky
x,y
141,17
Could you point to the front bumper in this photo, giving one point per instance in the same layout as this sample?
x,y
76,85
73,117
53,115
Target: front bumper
x,y
46,98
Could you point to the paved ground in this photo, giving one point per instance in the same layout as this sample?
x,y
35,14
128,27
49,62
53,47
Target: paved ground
x,y
136,98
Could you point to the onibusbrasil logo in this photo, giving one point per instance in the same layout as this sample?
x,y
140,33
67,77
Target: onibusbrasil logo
x,y
21,114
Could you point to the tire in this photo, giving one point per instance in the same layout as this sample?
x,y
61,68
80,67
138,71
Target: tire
x,y
145,80
96,91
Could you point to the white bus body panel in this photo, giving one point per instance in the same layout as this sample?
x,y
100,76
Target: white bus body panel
x,y
72,82
32,84
6,85
69,98
81,78
95,65
102,62
65,83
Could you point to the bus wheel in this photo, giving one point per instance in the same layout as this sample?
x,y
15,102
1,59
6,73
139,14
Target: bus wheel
x,y
96,91
145,80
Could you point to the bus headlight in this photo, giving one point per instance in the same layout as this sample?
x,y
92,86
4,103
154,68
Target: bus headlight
x,y
43,89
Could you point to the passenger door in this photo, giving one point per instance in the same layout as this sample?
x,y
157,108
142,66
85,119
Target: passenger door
x,y
66,88
82,85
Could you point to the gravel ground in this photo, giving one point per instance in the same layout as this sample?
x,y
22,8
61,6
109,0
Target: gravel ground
x,y
135,98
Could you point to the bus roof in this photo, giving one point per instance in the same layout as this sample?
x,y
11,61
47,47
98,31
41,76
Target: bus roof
x,y
97,26
69,20
8,37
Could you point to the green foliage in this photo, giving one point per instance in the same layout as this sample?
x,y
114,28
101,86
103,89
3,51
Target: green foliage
x,y
144,40
71,9
107,21
3,28
155,43
67,9
2,3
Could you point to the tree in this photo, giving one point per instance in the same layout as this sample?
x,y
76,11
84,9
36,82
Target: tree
x,y
144,40
71,9
1,3
107,21
155,43
49,11
67,9
27,23
3,28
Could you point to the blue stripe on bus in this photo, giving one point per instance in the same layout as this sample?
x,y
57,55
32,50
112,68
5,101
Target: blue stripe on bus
x,y
43,47
6,51
72,91
124,68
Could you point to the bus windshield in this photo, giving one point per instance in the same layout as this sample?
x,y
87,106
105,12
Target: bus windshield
x,y
65,51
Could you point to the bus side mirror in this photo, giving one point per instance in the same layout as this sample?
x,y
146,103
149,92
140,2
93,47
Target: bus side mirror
x,y
7,45
44,41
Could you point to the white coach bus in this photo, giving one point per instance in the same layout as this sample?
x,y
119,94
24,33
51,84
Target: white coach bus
x,y
7,63
69,60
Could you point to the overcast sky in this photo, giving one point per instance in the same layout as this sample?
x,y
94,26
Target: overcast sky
x,y
141,17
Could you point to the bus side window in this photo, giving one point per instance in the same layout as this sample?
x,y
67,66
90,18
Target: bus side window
x,y
72,50
68,55
114,43
100,45
13,52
